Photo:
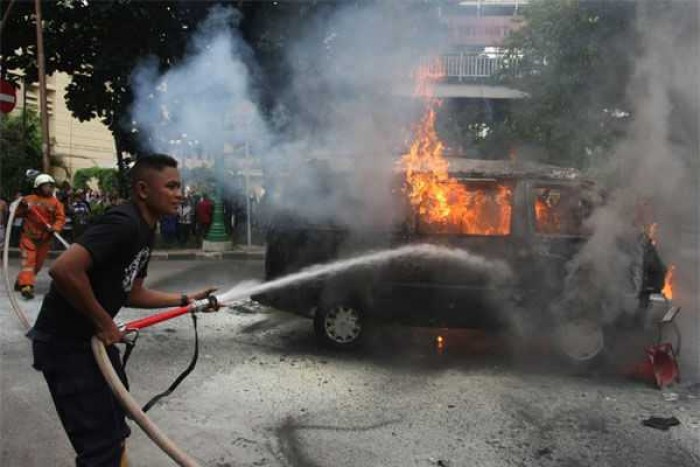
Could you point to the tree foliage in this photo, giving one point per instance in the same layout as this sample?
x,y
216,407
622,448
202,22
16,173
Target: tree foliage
x,y
100,43
573,59
20,149
106,179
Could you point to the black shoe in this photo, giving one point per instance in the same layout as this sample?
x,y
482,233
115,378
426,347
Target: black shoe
x,y
28,292
17,287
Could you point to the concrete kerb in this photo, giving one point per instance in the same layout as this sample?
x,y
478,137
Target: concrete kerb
x,y
185,255
207,255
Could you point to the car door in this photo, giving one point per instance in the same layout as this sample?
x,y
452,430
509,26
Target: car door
x,y
556,232
441,291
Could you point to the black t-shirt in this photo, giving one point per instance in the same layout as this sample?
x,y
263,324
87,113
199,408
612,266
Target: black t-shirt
x,y
120,244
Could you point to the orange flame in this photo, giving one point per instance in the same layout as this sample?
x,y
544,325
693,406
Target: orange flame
x,y
652,232
667,291
440,344
547,219
428,72
442,202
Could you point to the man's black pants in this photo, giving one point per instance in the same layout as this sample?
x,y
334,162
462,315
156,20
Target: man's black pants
x,y
90,414
183,232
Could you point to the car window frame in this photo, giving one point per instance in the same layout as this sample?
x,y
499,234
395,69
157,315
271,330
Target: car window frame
x,y
531,198
509,181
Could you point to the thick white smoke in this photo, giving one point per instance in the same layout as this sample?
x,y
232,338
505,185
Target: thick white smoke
x,y
349,71
656,165
203,104
342,106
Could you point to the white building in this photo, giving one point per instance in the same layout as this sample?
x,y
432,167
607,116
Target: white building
x,y
78,144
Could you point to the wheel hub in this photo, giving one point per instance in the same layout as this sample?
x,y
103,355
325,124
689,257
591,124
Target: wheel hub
x,y
342,324
581,340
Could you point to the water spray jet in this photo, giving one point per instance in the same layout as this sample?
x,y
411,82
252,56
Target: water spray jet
x,y
241,291
496,268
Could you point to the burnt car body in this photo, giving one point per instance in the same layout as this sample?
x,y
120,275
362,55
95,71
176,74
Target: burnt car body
x,y
542,229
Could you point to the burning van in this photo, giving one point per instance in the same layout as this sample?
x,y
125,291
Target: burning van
x,y
526,218
530,217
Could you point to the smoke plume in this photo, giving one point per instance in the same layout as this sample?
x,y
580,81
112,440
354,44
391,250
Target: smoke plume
x,y
653,175
203,105
342,106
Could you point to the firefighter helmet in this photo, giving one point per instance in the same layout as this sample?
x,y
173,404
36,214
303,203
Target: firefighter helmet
x,y
43,178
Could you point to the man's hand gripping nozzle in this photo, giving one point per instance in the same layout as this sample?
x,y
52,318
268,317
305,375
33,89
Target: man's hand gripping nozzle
x,y
208,304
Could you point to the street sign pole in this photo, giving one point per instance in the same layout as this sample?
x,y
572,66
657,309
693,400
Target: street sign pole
x,y
249,232
8,97
46,146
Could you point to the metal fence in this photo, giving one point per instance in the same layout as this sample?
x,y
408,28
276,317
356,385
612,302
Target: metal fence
x,y
462,66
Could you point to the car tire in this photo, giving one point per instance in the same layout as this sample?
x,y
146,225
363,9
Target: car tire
x,y
340,326
582,344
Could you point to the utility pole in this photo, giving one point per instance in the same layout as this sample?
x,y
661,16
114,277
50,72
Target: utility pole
x,y
24,106
122,166
248,210
6,15
45,145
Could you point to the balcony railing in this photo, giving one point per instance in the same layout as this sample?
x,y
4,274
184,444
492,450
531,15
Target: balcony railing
x,y
461,66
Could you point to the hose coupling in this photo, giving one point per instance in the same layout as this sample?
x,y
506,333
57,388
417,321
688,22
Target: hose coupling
x,y
210,303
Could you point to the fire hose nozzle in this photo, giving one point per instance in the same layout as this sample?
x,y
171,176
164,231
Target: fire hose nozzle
x,y
210,303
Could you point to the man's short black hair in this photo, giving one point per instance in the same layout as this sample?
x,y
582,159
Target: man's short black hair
x,y
155,162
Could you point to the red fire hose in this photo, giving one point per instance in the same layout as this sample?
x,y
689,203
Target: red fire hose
x,y
44,221
156,318
132,328
206,304
122,394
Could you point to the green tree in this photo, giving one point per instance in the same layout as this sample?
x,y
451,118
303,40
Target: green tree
x,y
98,44
20,149
573,59
106,178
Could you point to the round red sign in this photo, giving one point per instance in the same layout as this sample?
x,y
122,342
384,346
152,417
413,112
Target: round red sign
x,y
8,96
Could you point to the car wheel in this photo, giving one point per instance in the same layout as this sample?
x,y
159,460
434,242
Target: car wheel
x,y
340,326
581,342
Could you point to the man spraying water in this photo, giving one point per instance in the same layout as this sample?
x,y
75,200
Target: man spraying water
x,y
99,274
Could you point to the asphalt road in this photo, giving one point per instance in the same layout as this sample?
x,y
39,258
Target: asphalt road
x,y
263,394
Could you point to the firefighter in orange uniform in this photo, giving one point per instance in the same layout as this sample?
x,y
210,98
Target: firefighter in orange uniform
x,y
37,236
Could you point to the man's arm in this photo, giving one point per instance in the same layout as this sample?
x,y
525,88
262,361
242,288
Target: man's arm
x,y
21,208
142,297
69,273
60,217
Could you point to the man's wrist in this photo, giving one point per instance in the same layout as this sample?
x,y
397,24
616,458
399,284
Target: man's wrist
x,y
184,300
104,322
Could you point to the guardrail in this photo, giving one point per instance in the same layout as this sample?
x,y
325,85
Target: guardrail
x,y
462,66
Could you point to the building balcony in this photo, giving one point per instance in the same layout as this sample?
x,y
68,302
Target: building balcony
x,y
464,75
460,67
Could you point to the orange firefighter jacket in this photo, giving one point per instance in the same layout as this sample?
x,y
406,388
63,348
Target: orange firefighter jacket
x,y
48,210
